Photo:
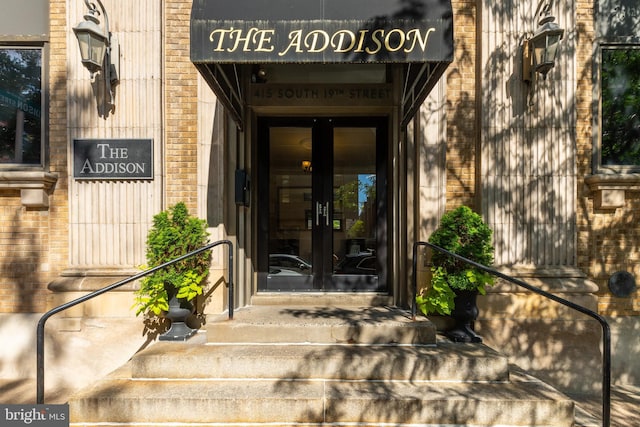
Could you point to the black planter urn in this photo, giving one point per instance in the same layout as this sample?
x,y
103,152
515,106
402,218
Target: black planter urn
x,y
464,313
179,312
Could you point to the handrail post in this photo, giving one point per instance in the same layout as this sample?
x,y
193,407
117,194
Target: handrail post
x,y
414,303
606,373
231,296
40,361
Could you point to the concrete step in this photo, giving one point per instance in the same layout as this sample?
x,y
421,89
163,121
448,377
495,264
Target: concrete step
x,y
322,402
322,299
321,324
444,362
309,365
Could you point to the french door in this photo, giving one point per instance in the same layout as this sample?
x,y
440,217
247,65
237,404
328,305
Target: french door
x,y
322,219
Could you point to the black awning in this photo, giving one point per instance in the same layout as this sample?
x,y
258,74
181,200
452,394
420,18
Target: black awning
x,y
416,33
321,31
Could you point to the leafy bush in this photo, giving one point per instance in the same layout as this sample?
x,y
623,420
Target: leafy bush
x,y
174,233
462,232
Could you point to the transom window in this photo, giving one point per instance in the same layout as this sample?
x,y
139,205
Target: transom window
x,y
20,106
620,108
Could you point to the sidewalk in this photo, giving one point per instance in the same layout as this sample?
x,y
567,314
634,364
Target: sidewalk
x,y
23,392
625,408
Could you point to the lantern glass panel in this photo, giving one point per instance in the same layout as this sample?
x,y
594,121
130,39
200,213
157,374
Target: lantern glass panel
x,y
553,41
97,48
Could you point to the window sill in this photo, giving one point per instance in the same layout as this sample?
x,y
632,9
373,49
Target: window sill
x,y
610,189
34,186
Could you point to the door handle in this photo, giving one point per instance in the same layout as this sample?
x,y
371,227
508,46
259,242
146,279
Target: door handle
x,y
318,212
326,213
322,211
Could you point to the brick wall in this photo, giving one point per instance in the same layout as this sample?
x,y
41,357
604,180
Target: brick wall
x,y
33,241
462,134
24,265
181,107
608,240
58,139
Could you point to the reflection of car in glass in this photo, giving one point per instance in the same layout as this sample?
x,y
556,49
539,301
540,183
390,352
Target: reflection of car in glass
x,y
360,263
276,271
290,265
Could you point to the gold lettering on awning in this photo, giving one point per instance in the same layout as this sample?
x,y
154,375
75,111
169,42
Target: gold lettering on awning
x,y
368,41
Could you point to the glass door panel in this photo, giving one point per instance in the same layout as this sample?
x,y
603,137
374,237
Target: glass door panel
x,y
355,208
291,208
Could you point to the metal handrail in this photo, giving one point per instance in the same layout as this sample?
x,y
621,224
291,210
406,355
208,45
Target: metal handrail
x,y
606,331
48,314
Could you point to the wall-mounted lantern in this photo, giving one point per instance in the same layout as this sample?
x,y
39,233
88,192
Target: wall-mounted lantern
x,y
98,46
539,51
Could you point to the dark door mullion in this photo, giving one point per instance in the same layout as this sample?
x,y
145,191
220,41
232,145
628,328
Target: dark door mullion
x,y
318,203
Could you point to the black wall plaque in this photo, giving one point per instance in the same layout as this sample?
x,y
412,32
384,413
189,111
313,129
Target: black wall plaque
x,y
113,158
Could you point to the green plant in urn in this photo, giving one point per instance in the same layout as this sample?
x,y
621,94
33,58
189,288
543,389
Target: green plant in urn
x,y
453,281
174,233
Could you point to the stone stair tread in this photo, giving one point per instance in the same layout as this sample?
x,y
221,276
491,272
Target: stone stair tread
x,y
273,401
321,298
316,324
261,315
446,361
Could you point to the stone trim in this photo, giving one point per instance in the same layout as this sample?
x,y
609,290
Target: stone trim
x,y
610,189
35,186
91,280
558,280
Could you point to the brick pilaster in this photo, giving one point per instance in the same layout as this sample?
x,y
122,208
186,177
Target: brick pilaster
x,y
181,110
462,133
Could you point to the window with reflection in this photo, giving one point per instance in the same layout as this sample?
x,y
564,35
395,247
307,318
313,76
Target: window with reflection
x,y
620,86
20,106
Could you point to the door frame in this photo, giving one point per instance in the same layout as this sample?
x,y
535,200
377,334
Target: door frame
x,y
382,124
